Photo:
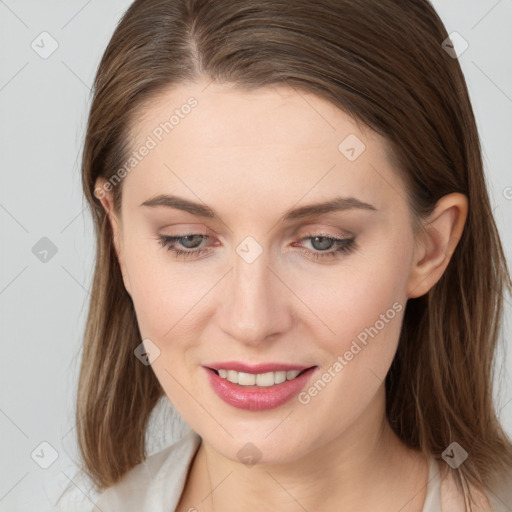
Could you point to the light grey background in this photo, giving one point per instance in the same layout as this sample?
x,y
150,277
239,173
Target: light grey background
x,y
43,105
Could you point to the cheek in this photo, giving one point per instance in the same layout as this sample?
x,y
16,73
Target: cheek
x,y
359,293
363,303
167,295
153,289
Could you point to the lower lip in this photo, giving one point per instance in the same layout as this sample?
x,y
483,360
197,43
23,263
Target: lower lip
x,y
255,398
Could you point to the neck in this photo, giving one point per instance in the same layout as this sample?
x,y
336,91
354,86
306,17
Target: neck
x,y
366,468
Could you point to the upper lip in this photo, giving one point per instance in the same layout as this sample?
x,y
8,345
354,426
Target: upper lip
x,y
255,368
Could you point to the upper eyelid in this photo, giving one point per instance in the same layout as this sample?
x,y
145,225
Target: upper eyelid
x,y
309,234
295,232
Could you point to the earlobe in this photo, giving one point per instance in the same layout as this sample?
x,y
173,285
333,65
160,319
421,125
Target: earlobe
x,y
434,248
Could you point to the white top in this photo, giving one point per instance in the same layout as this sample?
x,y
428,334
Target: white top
x,y
156,485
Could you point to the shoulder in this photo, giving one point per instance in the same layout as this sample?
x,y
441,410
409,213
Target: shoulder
x,y
500,492
496,498
156,483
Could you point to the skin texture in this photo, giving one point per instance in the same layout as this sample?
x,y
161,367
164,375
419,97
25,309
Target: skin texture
x,y
251,156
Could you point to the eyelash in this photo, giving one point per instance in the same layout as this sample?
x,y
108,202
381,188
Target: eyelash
x,y
344,246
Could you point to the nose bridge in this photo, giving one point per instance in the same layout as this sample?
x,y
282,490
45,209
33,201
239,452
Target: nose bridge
x,y
254,308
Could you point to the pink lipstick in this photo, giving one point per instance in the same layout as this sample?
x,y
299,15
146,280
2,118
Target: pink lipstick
x,y
257,387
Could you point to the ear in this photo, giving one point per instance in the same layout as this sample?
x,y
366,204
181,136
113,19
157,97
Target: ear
x,y
434,249
103,193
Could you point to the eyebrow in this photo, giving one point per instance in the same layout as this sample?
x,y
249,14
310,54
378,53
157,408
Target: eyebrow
x,y
201,210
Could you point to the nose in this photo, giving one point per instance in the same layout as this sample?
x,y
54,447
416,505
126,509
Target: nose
x,y
255,303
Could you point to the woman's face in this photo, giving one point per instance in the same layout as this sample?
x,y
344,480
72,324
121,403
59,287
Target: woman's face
x,y
255,286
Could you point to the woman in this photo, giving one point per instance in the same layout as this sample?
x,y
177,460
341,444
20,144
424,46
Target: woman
x,y
296,248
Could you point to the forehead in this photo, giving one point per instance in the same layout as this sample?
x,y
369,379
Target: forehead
x,y
215,138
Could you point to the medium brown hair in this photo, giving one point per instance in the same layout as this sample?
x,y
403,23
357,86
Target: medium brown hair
x,y
380,61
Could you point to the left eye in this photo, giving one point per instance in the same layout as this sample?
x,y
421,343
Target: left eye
x,y
321,245
191,243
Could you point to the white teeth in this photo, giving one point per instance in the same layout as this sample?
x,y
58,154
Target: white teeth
x,y
292,374
265,379
279,377
246,379
232,376
260,379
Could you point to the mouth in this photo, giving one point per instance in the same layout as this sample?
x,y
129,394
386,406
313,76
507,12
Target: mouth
x,y
258,389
